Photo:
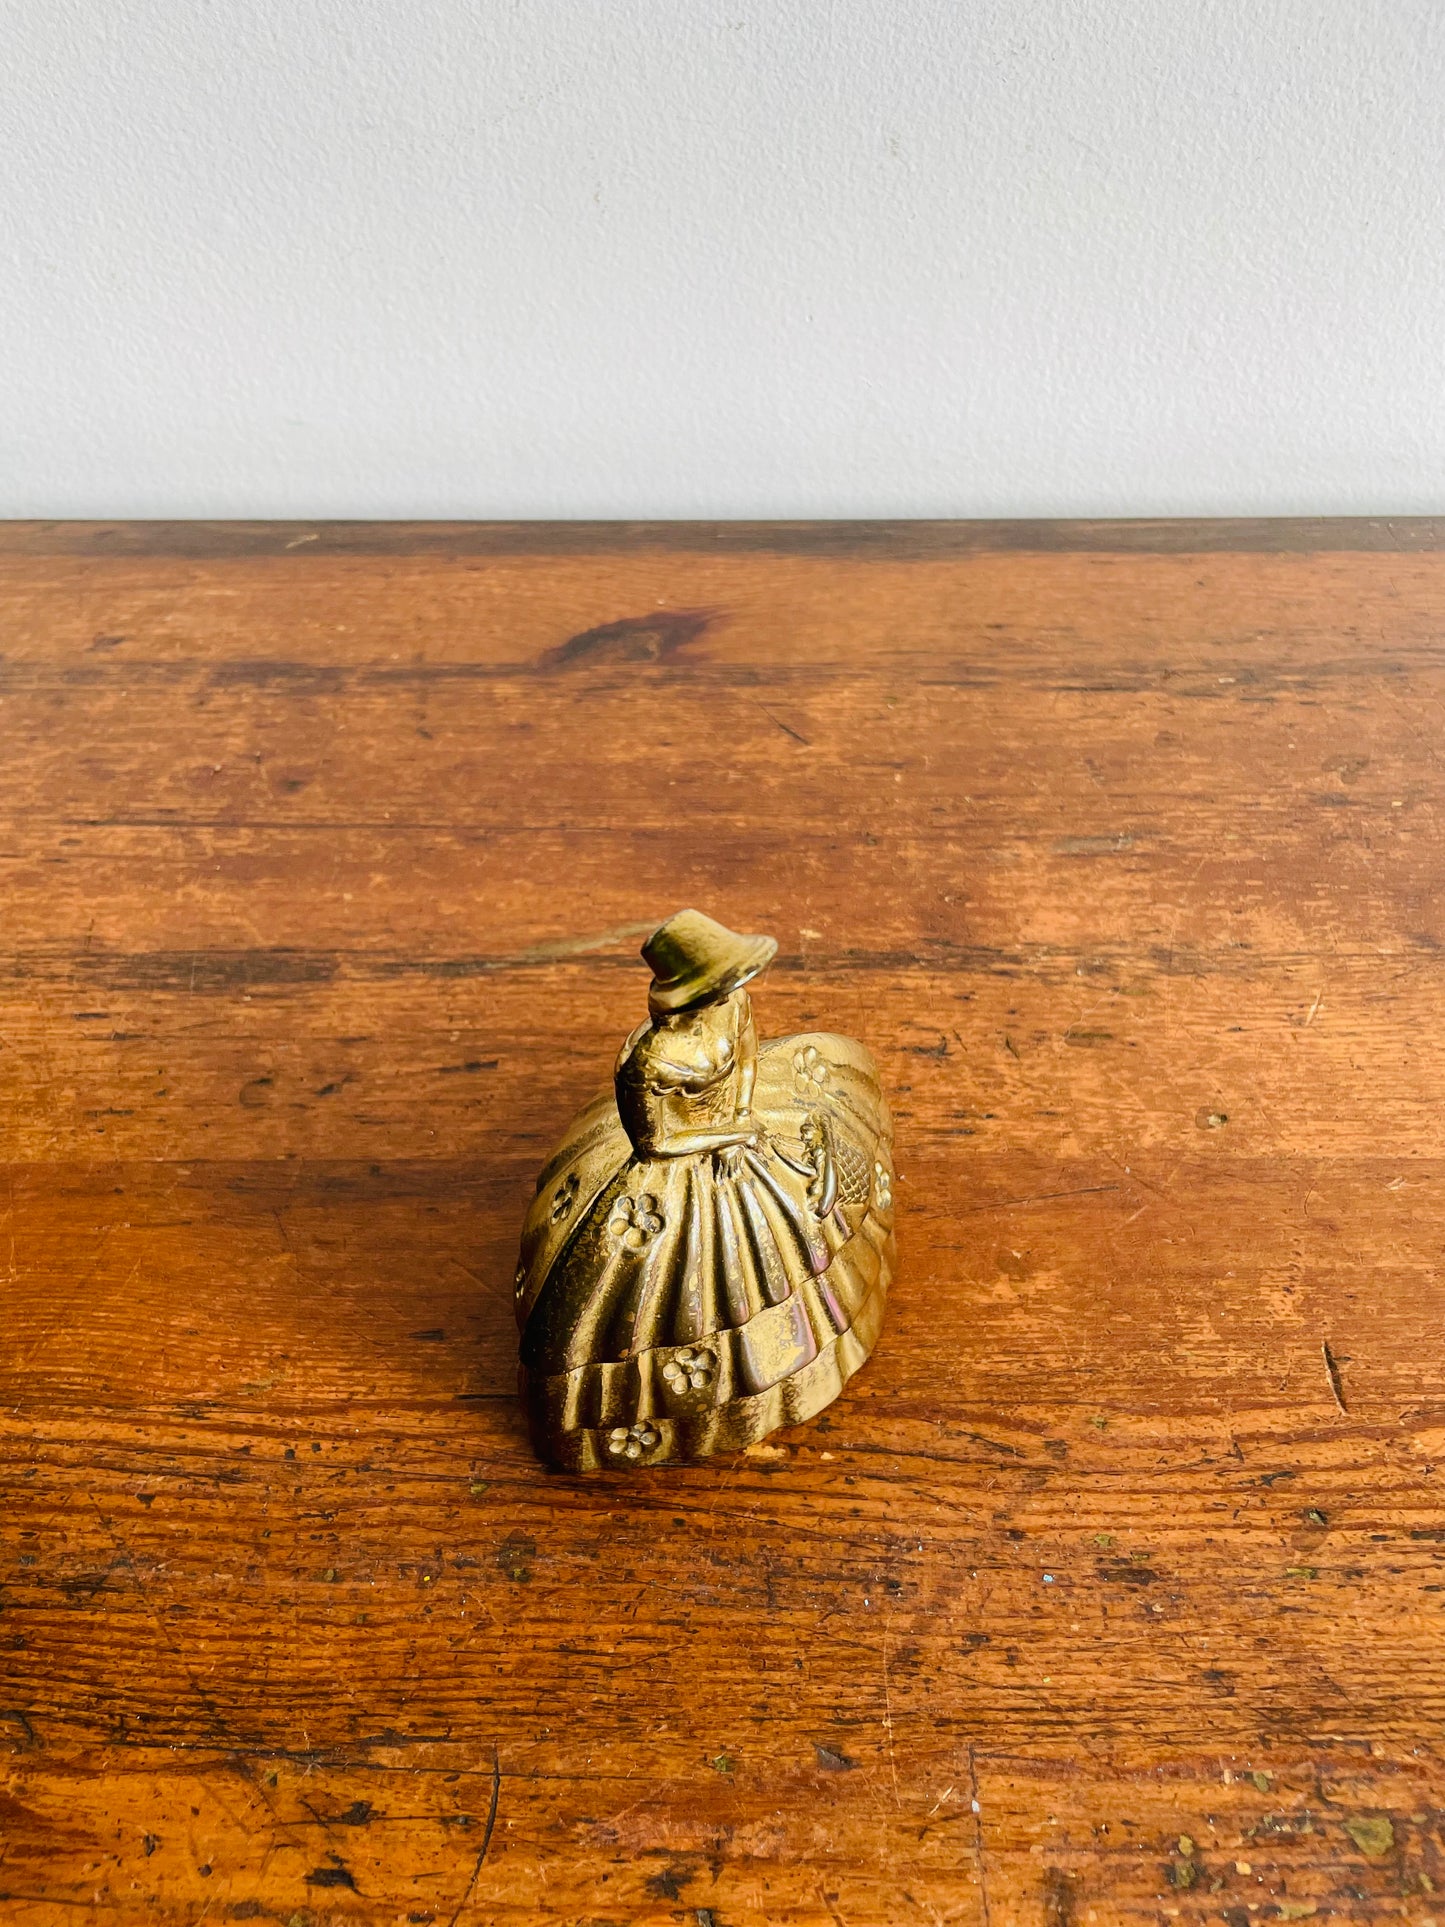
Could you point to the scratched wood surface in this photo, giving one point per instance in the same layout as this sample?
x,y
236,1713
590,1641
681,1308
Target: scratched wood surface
x,y
1110,1591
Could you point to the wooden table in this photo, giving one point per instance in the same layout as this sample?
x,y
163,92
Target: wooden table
x,y
1110,1591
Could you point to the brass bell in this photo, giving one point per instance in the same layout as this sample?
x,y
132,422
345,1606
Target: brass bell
x,y
709,1250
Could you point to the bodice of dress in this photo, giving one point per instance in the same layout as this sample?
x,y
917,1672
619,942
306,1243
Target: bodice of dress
x,y
674,1080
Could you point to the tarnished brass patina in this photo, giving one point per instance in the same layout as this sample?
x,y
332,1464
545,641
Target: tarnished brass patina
x,y
709,1250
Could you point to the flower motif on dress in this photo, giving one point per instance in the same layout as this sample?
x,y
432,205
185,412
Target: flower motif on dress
x,y
564,1197
633,1441
882,1186
810,1068
635,1221
690,1369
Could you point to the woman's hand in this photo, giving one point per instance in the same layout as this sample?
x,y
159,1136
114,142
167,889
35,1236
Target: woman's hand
x,y
729,1161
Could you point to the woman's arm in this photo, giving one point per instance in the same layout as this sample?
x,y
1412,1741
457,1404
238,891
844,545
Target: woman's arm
x,y
747,1054
682,1144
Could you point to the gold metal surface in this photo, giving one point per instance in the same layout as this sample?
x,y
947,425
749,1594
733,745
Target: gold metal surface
x,y
709,1250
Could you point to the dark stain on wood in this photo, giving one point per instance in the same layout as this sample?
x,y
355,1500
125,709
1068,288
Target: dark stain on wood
x,y
336,1875
650,638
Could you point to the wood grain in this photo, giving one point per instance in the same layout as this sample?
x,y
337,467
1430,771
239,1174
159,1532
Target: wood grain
x,y
326,851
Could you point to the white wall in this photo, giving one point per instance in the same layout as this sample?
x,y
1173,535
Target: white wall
x,y
722,257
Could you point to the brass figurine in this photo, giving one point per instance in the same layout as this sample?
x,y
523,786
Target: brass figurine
x,y
709,1250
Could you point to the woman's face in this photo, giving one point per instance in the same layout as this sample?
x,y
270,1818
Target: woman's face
x,y
682,1023
704,1020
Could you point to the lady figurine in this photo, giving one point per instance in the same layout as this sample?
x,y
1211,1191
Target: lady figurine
x,y
709,1250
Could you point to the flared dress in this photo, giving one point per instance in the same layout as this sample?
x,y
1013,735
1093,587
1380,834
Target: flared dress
x,y
674,1305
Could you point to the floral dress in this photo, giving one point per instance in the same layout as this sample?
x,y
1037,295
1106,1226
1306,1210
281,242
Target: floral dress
x,y
673,1302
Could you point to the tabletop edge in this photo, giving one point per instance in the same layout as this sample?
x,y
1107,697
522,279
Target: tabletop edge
x,y
924,540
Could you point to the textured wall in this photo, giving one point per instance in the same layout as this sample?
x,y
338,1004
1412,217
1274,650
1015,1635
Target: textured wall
x,y
722,257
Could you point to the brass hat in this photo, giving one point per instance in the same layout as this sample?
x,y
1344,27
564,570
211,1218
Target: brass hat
x,y
694,960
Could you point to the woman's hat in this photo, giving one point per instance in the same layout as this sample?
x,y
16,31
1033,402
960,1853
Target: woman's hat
x,y
696,961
